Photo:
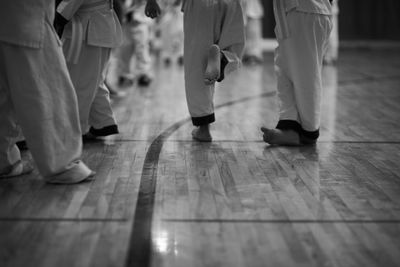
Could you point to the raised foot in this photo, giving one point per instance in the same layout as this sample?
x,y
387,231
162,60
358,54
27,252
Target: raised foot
x,y
213,69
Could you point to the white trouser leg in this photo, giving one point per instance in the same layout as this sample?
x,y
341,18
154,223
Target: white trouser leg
x,y
206,24
45,106
87,76
253,37
9,153
141,39
300,60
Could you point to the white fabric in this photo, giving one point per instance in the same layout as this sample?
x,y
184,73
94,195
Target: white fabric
x,y
253,9
92,21
171,27
282,7
298,62
332,52
207,23
23,21
88,76
36,92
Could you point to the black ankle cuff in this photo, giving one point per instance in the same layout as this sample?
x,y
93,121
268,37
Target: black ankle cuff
x,y
311,136
289,125
305,136
198,121
105,131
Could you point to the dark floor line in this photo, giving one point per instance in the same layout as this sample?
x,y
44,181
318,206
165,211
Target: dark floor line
x,y
395,221
368,79
261,141
139,250
39,219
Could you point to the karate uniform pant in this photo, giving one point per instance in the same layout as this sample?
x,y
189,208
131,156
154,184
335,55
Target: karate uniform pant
x,y
207,23
172,34
136,46
37,94
254,37
332,52
298,64
88,76
254,13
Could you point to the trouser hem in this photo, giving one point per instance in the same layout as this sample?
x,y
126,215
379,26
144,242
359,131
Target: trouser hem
x,y
198,121
307,136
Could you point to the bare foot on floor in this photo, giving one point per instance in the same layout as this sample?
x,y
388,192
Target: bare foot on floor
x,y
213,69
202,134
280,137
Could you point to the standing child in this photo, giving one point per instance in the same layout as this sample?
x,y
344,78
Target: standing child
x,y
171,29
37,93
213,46
136,45
302,30
92,30
332,52
254,12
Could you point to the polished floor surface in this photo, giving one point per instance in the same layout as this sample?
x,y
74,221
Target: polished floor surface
x,y
162,199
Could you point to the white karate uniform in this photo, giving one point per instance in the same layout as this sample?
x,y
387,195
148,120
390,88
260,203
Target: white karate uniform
x,y
206,23
302,29
132,58
171,27
36,92
332,52
87,41
254,12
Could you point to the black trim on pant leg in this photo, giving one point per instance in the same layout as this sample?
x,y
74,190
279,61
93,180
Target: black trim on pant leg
x,y
198,121
105,131
289,125
307,137
224,62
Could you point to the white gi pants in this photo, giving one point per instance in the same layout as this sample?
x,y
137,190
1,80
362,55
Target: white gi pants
x,y
88,77
136,45
254,13
298,64
36,92
332,52
207,23
172,34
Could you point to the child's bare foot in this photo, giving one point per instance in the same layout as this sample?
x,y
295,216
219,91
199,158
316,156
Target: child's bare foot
x,y
213,65
280,137
202,134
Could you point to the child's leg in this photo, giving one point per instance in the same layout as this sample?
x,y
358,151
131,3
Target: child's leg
x,y
9,153
101,114
123,56
198,38
219,26
304,51
141,38
288,128
45,107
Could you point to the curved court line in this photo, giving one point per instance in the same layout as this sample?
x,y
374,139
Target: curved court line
x,y
139,250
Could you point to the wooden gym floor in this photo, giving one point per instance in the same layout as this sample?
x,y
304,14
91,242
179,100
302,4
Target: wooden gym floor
x,y
161,199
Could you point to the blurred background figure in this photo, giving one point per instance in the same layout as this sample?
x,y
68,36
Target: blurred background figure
x,y
253,16
171,31
132,61
332,52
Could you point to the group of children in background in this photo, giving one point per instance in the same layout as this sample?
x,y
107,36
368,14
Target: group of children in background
x,y
206,36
